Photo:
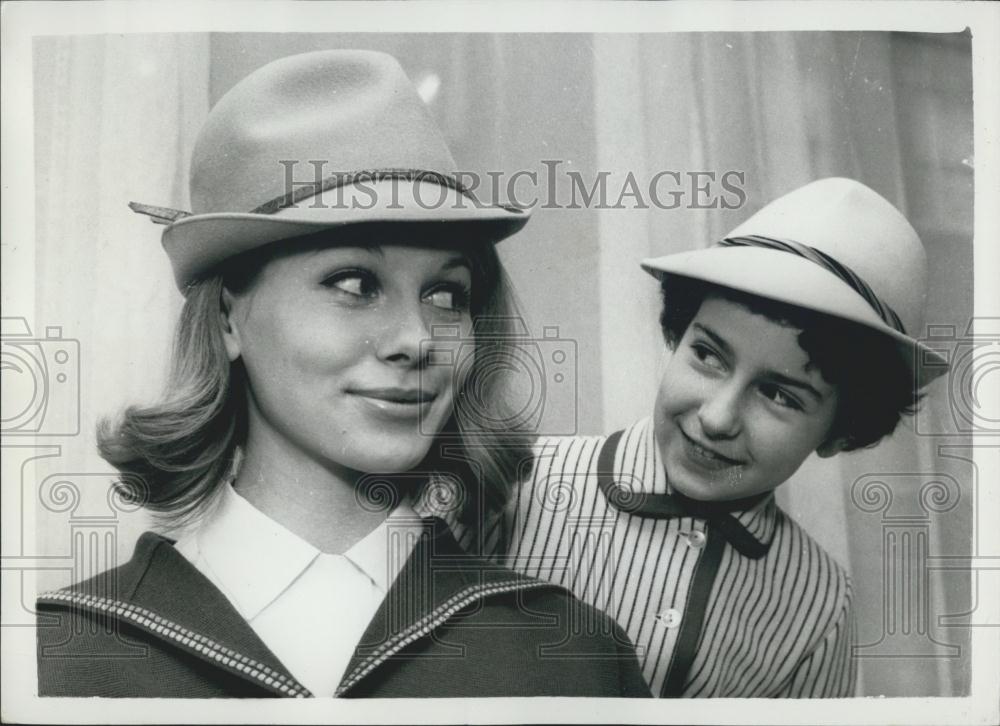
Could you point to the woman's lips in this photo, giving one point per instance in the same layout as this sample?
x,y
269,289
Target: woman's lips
x,y
397,395
704,456
397,402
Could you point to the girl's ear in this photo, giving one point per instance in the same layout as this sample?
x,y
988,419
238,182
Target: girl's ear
x,y
230,332
832,447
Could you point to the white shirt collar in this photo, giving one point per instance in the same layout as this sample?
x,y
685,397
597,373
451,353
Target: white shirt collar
x,y
254,559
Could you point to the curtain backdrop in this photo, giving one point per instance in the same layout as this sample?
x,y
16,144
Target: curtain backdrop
x,y
893,111
116,117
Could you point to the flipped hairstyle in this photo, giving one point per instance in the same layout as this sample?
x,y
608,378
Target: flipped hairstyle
x,y
173,455
876,386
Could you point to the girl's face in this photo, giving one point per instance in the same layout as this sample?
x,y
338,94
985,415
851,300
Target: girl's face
x,y
335,342
740,406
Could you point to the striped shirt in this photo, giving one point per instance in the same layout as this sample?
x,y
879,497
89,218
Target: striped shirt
x,y
762,612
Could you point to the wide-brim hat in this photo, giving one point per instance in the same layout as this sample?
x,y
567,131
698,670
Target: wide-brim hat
x,y
833,246
320,141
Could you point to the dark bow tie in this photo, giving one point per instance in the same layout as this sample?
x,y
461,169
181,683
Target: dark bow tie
x,y
663,506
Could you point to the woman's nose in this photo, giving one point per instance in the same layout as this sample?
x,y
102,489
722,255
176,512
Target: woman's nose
x,y
719,413
405,335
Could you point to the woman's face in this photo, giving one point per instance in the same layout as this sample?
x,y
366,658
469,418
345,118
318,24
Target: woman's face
x,y
335,342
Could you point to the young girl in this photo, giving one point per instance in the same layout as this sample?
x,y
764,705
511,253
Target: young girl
x,y
794,335
308,405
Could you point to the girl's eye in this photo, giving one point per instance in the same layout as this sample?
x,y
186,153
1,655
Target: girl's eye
x,y
780,396
357,283
707,356
449,297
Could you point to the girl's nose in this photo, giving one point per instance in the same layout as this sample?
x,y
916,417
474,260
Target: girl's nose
x,y
405,336
719,413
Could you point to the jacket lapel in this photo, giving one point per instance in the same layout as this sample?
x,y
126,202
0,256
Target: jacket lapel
x,y
161,593
438,580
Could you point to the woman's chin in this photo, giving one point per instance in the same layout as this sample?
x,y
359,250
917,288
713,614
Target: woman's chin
x,y
389,459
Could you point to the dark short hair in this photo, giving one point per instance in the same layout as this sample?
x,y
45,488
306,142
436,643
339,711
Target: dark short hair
x,y
876,386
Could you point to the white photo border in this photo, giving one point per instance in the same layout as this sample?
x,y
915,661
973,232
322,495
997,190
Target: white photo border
x,y
25,20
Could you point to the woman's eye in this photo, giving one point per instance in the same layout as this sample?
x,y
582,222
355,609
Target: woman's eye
x,y
448,298
781,397
353,282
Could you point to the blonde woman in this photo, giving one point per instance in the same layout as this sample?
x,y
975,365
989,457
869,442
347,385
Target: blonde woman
x,y
311,400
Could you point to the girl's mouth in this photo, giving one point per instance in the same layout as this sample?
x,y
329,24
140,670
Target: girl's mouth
x,y
705,456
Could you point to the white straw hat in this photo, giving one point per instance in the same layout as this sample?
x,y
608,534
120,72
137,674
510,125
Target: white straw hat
x,y
834,246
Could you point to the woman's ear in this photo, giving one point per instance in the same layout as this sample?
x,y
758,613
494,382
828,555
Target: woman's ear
x,y
230,331
832,447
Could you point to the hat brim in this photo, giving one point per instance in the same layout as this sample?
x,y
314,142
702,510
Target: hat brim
x,y
198,243
794,280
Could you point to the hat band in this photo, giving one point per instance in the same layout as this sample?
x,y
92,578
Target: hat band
x,y
346,178
167,215
842,271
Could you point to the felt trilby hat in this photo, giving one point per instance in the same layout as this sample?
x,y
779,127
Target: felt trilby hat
x,y
319,141
834,246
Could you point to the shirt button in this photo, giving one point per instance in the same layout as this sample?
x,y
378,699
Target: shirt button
x,y
669,618
696,539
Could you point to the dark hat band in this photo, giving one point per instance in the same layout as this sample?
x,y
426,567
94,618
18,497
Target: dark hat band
x,y
842,271
167,215
346,178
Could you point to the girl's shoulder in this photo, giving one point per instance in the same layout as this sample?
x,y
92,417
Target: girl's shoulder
x,y
819,573
630,447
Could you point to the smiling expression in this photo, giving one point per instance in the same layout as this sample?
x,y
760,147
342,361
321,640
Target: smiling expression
x,y
335,346
740,406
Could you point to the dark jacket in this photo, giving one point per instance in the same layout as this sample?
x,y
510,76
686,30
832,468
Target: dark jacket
x,y
451,625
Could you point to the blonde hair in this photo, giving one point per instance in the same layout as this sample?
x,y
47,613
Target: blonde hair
x,y
174,454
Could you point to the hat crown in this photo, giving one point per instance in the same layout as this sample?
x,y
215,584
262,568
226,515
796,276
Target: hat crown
x,y
320,113
859,229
